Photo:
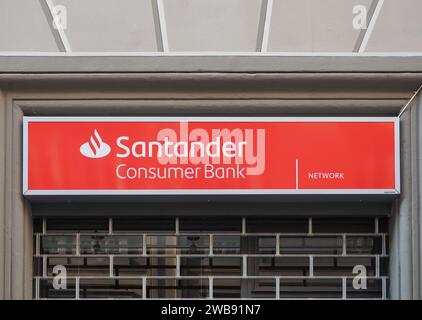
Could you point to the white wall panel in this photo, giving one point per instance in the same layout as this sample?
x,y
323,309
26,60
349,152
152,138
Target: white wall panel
x,y
314,25
24,27
110,25
218,25
398,28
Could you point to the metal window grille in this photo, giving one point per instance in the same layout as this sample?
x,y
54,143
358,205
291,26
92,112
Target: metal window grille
x,y
210,258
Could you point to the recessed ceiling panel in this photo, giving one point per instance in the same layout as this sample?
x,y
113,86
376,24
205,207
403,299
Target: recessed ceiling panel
x,y
315,25
218,25
24,27
398,28
110,25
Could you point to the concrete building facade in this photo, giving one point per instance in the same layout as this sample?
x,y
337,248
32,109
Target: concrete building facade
x,y
185,58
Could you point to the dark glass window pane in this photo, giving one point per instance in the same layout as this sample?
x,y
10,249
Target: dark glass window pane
x,y
384,266
177,288
311,245
277,224
226,244
34,288
80,266
387,244
144,224
183,244
130,266
369,289
210,224
58,244
343,225
364,245
37,266
226,288
110,288
34,245
383,224
311,288
116,244
144,266
193,244
47,289
278,266
342,266
259,244
38,225
205,266
77,224
260,288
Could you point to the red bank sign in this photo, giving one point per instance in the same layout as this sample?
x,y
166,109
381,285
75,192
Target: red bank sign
x,y
153,156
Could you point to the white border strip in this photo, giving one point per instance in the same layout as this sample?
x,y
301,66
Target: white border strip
x,y
25,156
227,192
209,119
27,192
397,153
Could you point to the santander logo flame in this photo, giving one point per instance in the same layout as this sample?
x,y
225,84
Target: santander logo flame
x,y
95,147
